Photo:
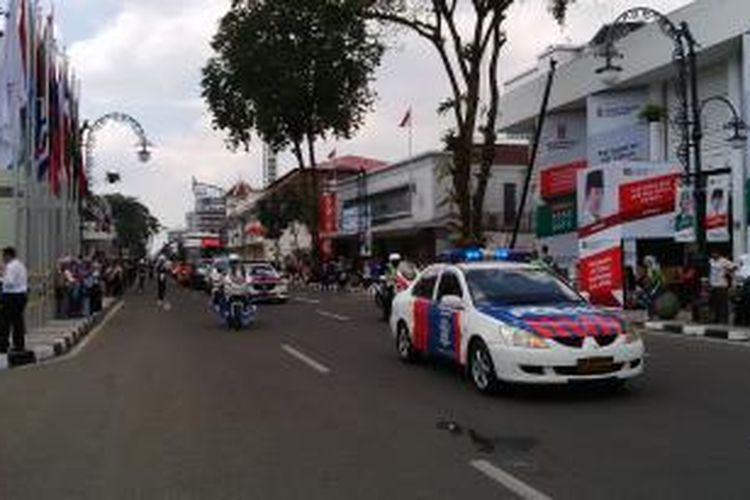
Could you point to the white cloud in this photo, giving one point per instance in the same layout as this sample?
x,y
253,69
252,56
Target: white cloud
x,y
145,59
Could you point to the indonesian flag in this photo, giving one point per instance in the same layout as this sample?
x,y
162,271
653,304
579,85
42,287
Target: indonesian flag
x,y
406,120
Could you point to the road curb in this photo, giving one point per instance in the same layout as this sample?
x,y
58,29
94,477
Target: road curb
x,y
57,338
710,331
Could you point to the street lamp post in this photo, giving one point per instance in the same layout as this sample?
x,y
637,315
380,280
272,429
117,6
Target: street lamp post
x,y
688,116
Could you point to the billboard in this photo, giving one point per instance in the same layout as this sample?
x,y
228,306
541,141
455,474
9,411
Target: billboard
x,y
622,200
684,214
718,188
562,153
615,130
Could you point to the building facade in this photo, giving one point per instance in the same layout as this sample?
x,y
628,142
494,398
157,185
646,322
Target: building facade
x,y
604,120
406,207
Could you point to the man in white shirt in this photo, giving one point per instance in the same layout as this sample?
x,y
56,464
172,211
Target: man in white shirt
x,y
720,272
14,297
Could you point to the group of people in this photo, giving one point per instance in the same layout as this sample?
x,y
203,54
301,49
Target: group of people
x,y
80,284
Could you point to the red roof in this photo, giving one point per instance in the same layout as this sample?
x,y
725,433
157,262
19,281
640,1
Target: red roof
x,y
354,163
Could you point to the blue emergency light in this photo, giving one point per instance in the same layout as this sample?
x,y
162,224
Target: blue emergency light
x,y
475,254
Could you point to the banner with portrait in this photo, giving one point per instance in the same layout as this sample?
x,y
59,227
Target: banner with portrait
x,y
718,189
684,214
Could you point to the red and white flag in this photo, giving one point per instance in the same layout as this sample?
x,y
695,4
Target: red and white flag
x,y
406,120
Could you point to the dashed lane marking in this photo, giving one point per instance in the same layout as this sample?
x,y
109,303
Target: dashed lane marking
x,y
510,482
305,300
331,315
318,367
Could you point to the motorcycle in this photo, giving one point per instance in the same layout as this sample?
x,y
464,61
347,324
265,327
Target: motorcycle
x,y
384,294
386,289
235,310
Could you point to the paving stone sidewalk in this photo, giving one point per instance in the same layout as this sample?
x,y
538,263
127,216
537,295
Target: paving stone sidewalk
x,y
58,337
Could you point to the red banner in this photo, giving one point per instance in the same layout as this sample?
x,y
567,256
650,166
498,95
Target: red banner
x,y
600,275
327,214
560,180
648,197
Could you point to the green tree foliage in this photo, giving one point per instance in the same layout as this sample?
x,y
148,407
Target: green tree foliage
x,y
277,213
134,224
468,37
291,71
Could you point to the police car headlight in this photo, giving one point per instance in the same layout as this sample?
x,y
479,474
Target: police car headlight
x,y
631,335
517,337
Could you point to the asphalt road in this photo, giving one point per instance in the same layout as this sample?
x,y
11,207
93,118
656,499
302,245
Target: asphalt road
x,y
312,403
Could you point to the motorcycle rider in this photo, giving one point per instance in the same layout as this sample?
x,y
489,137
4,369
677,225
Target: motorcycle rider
x,y
216,279
235,282
235,286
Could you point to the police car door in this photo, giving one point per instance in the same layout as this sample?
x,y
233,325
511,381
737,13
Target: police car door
x,y
446,318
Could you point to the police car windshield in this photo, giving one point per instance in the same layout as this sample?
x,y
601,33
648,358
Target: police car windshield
x,y
261,270
513,287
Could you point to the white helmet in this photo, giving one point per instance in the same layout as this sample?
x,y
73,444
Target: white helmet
x,y
234,258
394,256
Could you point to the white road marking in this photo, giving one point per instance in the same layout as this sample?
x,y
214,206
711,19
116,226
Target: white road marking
x,y
305,300
517,486
318,367
81,345
331,315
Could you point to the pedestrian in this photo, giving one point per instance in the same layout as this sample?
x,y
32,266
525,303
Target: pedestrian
x,y
720,270
161,283
654,282
14,297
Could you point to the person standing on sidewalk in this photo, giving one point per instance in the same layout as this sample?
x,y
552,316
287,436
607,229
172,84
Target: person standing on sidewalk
x,y
14,298
721,268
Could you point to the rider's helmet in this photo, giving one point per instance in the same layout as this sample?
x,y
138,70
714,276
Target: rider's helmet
x,y
394,258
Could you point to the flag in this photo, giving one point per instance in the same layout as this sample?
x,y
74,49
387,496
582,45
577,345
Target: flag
x,y
13,84
406,120
41,125
332,154
55,129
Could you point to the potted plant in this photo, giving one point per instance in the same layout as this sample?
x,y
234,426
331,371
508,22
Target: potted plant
x,y
655,116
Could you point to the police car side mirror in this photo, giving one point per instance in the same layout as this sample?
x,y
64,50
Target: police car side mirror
x,y
453,302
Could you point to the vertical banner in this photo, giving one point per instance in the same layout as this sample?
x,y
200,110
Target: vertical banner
x,y
562,153
684,218
616,131
327,222
717,208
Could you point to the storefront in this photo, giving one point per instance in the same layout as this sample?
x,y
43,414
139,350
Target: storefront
x,y
612,189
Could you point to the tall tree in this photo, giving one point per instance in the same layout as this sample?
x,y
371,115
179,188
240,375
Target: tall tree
x,y
133,222
292,72
468,37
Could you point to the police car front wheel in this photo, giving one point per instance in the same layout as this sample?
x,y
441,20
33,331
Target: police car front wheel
x,y
481,368
403,344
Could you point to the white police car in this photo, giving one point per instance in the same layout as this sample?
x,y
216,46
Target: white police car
x,y
512,322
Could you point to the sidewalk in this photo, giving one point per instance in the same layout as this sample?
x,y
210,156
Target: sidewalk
x,y
58,337
683,325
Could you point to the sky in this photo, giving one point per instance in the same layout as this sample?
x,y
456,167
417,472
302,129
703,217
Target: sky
x,y
144,58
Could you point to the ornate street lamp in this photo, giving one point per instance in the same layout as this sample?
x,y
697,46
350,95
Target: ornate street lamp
x,y
89,140
689,108
737,125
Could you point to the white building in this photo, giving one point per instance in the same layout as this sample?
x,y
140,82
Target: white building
x,y
721,29
405,207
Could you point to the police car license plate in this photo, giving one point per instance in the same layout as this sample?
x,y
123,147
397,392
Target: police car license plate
x,y
592,366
